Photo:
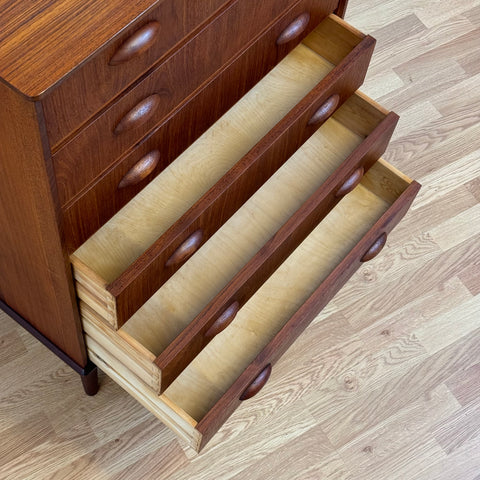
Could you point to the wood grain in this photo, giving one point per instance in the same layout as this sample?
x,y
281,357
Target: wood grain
x,y
277,346
83,93
35,277
160,320
181,351
203,386
239,184
96,206
43,43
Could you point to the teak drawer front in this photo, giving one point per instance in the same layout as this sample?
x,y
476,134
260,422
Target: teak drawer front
x,y
141,109
326,168
127,292
238,362
101,78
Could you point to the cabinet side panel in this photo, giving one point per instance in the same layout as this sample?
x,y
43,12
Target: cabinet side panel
x,y
35,276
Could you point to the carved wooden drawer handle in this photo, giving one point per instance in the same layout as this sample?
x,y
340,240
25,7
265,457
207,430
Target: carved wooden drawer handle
x,y
295,29
139,114
141,170
326,110
140,41
257,384
376,248
223,321
186,249
352,181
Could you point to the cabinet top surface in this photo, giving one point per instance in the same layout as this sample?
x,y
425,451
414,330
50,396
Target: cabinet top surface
x,y
41,41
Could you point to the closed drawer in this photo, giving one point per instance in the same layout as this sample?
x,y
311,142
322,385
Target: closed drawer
x,y
171,210
237,363
326,166
132,52
141,109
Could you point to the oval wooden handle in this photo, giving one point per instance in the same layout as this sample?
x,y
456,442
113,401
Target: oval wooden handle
x,y
223,321
295,29
139,114
353,180
326,110
140,41
257,384
186,249
141,170
376,248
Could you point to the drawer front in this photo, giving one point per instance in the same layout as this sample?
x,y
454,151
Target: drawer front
x,y
135,114
257,373
221,311
131,53
96,206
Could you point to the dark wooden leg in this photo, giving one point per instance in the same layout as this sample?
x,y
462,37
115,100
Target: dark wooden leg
x,y
88,374
90,379
342,8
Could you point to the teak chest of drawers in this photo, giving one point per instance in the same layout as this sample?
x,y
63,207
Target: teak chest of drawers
x,y
184,186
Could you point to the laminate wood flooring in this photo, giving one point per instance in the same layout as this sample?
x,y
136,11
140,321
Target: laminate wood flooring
x,y
385,384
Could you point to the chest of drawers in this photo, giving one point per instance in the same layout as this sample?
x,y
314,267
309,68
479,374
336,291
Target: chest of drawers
x,y
184,186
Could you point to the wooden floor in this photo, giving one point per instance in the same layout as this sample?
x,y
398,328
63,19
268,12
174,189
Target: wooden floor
x,y
386,383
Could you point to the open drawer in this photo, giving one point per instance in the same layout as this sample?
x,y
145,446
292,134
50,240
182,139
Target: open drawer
x,y
236,364
331,162
175,214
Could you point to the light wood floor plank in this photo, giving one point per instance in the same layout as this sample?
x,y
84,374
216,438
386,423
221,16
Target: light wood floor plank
x,y
358,414
377,449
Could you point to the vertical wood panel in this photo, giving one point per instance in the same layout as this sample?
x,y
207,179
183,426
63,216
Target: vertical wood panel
x,y
35,277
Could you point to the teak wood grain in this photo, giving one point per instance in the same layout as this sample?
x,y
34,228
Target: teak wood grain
x,y
102,200
227,404
95,82
129,291
35,275
175,358
43,42
329,411
93,150
133,288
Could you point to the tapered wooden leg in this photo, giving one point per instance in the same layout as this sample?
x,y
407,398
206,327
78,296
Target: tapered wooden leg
x,y
342,8
90,380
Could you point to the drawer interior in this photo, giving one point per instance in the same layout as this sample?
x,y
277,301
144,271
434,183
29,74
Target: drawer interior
x,y
210,375
224,359
110,253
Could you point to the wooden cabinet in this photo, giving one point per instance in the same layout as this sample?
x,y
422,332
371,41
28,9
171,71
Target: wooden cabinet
x,y
183,191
